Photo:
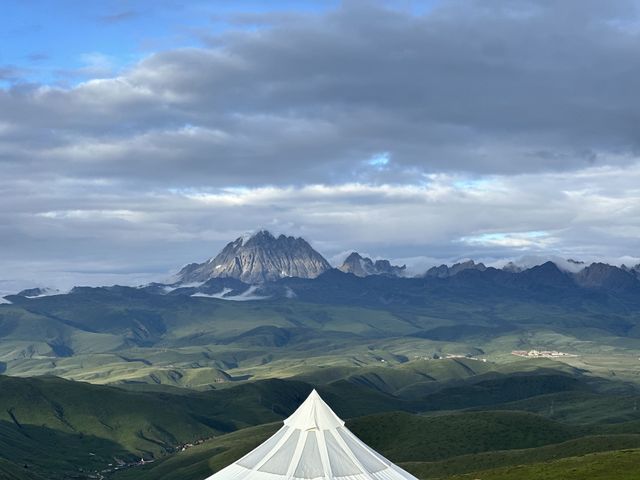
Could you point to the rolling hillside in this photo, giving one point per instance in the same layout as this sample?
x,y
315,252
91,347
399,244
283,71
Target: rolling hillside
x,y
474,443
165,368
129,335
57,427
616,465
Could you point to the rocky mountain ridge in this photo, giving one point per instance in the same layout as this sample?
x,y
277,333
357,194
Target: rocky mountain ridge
x,y
364,266
260,258
444,271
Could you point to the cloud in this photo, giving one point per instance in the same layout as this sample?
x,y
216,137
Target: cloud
x,y
67,226
36,57
526,87
513,240
10,73
118,17
451,133
95,65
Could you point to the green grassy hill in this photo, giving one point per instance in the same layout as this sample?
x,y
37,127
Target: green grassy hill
x,y
57,426
11,471
617,465
433,438
194,368
498,459
202,460
432,447
580,407
103,423
128,335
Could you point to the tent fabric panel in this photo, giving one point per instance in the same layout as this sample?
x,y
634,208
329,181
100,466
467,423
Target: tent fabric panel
x,y
232,472
362,453
281,460
392,473
251,459
310,463
341,464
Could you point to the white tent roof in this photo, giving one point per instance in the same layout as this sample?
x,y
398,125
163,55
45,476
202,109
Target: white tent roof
x,y
313,443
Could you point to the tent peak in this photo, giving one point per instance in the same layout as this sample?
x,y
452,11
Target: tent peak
x,y
314,414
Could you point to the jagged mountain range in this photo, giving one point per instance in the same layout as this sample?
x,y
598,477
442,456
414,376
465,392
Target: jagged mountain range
x,y
264,257
245,267
334,284
364,266
465,279
444,271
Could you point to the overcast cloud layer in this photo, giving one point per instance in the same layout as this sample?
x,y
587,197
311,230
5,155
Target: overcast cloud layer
x,y
488,129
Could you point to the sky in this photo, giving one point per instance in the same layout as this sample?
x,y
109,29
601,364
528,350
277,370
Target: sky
x,y
138,136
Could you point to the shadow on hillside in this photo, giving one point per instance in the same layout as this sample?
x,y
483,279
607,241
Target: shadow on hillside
x,y
54,454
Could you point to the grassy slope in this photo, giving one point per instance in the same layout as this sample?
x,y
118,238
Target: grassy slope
x,y
11,471
418,375
138,422
433,438
112,422
580,407
498,459
127,335
455,443
617,465
55,454
200,461
40,418
58,426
